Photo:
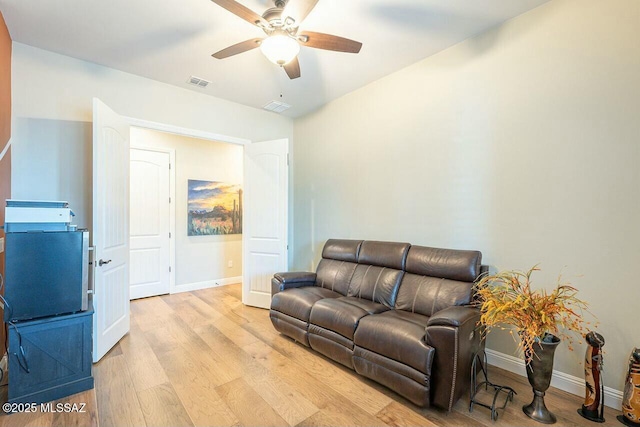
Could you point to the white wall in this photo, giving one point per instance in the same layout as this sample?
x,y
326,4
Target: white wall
x,y
46,85
52,161
52,111
522,142
200,260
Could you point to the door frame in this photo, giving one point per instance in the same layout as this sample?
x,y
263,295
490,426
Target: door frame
x,y
146,124
194,133
172,210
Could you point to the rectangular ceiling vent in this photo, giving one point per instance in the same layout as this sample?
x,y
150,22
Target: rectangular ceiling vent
x,y
197,81
276,106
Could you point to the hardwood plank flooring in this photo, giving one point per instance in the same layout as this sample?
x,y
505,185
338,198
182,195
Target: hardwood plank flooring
x,y
202,358
116,394
144,367
249,406
161,406
396,415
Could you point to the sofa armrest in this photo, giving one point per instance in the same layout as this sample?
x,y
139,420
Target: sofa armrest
x,y
292,279
454,316
454,335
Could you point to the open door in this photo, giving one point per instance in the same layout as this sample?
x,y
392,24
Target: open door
x,y
264,238
110,228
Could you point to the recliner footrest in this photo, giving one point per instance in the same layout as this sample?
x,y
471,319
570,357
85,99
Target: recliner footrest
x,y
386,373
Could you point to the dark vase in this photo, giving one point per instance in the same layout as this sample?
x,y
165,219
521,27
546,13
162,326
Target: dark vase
x,y
539,372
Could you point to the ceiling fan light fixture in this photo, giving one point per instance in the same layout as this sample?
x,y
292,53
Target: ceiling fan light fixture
x,y
280,48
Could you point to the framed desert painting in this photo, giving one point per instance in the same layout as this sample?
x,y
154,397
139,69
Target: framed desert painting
x,y
214,207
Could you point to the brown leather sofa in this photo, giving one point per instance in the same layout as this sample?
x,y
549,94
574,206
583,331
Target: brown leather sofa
x,y
396,313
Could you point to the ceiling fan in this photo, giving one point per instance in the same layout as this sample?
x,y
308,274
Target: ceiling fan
x,y
283,41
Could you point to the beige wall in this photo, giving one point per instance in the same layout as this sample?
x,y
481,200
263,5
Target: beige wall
x,y
199,259
522,142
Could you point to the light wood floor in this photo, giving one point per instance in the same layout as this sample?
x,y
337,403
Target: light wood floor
x,y
202,358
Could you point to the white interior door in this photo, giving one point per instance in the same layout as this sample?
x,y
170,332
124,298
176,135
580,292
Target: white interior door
x,y
264,239
110,228
149,262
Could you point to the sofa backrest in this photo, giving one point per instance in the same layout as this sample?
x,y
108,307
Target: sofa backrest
x,y
338,263
437,278
379,271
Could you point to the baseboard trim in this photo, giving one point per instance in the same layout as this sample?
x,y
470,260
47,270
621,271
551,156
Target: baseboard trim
x,y
560,380
195,286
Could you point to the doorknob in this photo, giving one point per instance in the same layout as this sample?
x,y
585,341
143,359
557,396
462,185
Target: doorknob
x,y
101,262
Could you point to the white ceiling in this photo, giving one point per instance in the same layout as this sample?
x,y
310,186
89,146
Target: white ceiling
x,y
170,40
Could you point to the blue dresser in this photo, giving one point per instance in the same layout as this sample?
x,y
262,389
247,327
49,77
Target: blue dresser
x,y
50,358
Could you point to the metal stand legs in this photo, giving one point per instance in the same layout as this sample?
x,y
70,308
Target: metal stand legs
x,y
481,358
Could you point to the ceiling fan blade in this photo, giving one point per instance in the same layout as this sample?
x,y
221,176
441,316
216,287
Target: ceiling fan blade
x,y
298,9
329,42
238,48
242,11
293,68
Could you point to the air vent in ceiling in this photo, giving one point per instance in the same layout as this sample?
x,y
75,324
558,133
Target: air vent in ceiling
x,y
276,106
197,81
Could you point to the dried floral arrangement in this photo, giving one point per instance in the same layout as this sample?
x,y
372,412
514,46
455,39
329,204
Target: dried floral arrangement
x,y
506,298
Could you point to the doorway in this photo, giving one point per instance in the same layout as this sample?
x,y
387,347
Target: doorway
x,y
207,175
266,179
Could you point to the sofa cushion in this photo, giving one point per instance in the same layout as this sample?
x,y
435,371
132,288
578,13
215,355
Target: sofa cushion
x,y
368,306
463,266
428,295
398,336
415,318
335,275
378,284
384,254
339,315
322,292
297,302
341,250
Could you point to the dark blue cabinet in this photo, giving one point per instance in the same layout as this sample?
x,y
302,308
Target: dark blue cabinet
x,y
50,358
